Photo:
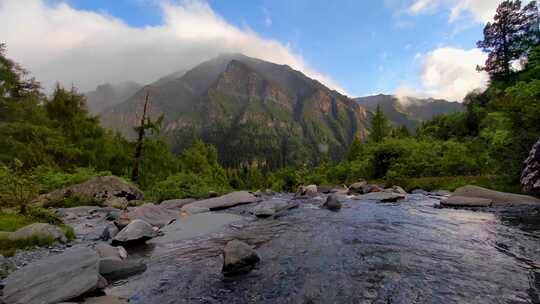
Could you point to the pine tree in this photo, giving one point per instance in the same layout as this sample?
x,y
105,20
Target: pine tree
x,y
380,126
514,32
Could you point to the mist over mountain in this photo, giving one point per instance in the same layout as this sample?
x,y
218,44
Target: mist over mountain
x,y
252,110
108,95
409,111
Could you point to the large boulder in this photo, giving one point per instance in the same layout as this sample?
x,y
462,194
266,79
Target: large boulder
x,y
105,190
530,177
176,204
106,251
381,196
498,198
463,201
238,258
309,190
358,187
54,279
155,215
222,202
273,207
137,231
39,231
113,269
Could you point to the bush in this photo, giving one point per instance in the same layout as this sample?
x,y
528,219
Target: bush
x,y
185,185
50,179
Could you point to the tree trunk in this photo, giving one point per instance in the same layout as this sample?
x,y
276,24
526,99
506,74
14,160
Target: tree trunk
x,y
138,148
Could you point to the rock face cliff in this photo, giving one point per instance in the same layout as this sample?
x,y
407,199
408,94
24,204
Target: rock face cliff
x,y
530,178
253,111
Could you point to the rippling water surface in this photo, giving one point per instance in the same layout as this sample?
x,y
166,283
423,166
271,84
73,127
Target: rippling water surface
x,y
368,252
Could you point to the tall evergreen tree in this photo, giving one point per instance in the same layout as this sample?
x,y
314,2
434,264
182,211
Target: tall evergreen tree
x,y
380,126
514,32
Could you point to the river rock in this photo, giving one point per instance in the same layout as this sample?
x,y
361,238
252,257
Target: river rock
x,y
398,189
155,215
105,250
463,201
381,196
420,191
272,207
109,232
54,279
498,198
105,190
114,269
310,190
238,258
358,187
530,177
105,300
137,231
6,267
332,203
225,201
39,230
176,204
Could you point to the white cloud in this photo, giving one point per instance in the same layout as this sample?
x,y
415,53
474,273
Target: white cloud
x,y
59,43
448,73
481,11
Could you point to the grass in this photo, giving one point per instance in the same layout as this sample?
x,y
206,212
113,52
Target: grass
x,y
10,221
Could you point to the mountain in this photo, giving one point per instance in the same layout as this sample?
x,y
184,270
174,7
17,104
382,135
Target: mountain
x,y
108,95
252,110
410,111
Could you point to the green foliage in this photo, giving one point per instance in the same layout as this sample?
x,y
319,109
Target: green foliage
x,y
380,126
17,188
50,178
185,185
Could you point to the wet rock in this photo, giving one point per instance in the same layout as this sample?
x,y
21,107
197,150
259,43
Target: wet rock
x,y
137,231
420,191
238,258
212,194
105,250
530,177
39,230
191,210
463,201
195,226
358,187
441,193
225,201
114,269
272,207
109,232
176,204
155,215
332,203
122,221
105,300
106,190
381,196
54,279
398,189
6,267
498,198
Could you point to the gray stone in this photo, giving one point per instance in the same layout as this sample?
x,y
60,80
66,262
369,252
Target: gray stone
x,y
137,231
272,207
463,201
114,269
530,177
310,190
358,187
498,198
195,226
109,232
398,189
381,196
105,300
238,258
39,230
105,250
420,191
176,204
332,203
107,190
155,215
225,201
54,279
6,267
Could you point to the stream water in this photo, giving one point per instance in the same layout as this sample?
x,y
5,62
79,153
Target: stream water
x,y
369,252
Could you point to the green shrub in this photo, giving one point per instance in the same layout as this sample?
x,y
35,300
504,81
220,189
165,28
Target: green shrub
x,y
185,185
51,179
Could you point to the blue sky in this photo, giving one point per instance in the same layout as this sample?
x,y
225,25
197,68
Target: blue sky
x,y
361,47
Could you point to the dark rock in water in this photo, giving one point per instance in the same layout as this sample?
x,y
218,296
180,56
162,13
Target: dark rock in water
x,y
332,203
136,232
228,200
114,269
54,279
109,232
107,190
463,201
530,177
498,198
238,258
273,207
39,230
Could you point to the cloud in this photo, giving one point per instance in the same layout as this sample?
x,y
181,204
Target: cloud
x,y
448,73
57,42
267,18
481,11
